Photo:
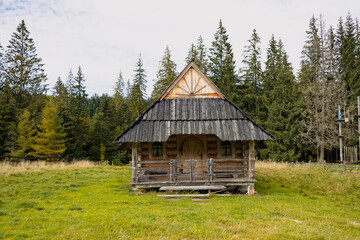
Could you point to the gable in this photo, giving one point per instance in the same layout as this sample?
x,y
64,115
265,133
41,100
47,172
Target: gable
x,y
192,83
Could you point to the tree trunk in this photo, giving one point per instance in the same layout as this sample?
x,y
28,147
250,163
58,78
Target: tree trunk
x,y
322,154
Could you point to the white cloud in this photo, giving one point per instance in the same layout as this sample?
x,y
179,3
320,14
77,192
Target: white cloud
x,y
106,36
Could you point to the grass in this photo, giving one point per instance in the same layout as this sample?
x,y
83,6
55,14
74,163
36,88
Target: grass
x,y
97,203
8,169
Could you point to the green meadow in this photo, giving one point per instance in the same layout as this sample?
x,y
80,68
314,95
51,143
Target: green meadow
x,y
97,203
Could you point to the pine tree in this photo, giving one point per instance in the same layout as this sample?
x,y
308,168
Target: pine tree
x,y
250,95
137,93
50,139
222,63
198,53
24,71
281,97
26,134
165,75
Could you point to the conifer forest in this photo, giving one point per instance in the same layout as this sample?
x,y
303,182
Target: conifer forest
x,y
300,109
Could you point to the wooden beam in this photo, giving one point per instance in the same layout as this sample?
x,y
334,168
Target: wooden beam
x,y
189,188
183,195
134,162
251,189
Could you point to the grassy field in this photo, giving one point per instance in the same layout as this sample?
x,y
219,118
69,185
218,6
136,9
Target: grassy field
x,y
96,202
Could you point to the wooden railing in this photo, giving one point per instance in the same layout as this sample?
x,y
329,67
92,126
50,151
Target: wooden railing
x,y
192,170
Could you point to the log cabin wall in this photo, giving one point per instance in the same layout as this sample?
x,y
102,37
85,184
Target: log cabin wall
x,y
209,146
212,144
171,147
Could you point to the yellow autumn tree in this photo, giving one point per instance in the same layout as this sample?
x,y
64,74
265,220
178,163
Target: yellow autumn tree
x,y
26,133
50,138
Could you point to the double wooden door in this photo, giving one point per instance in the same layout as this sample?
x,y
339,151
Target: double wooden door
x,y
190,165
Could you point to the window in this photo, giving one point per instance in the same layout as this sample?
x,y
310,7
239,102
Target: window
x,y
157,149
226,148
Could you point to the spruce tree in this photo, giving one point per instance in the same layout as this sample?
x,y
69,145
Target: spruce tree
x,y
24,70
80,116
122,114
165,75
249,97
7,123
61,95
50,138
67,123
119,92
192,53
128,89
80,92
26,134
281,98
321,92
137,92
222,63
311,55
202,60
349,69
102,131
2,69
331,55
70,83
198,53
75,115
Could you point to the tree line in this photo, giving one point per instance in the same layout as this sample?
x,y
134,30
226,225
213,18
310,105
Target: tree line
x,y
299,109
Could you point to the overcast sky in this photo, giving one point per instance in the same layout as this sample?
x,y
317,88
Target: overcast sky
x,y
106,36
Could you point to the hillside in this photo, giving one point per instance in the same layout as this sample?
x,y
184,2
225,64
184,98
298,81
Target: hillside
x,y
97,203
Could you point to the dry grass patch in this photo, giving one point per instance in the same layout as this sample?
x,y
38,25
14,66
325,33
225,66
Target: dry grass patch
x,y
9,169
270,165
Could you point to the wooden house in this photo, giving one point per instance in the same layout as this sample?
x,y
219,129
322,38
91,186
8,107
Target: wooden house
x,y
193,138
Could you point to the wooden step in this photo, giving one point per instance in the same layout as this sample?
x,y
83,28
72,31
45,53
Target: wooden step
x,y
184,195
192,188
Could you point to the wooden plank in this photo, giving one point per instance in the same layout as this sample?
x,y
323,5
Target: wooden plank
x,y
134,159
195,188
224,167
182,195
231,160
152,168
251,189
154,175
146,162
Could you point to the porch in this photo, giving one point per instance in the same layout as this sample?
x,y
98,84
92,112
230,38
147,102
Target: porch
x,y
195,174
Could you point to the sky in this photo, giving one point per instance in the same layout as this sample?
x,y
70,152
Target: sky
x,y
106,37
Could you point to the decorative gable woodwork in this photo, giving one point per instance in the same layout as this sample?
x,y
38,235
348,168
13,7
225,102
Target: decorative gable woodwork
x,y
192,83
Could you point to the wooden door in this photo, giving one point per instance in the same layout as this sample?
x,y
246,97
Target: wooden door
x,y
192,148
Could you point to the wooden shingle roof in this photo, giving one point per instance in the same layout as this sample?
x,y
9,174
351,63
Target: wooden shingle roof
x,y
193,116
